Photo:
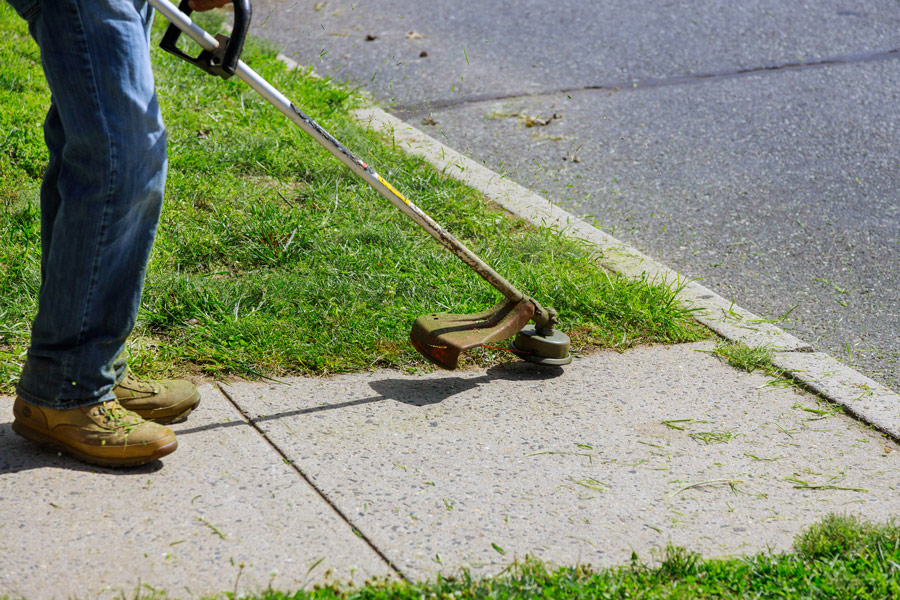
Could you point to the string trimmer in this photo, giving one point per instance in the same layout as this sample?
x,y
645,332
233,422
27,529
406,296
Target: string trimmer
x,y
440,337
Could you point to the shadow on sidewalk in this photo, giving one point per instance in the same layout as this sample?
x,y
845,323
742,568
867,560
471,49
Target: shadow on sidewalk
x,y
425,392
413,392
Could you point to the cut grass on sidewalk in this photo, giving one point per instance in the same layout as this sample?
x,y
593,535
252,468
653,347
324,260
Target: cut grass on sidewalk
x,y
273,259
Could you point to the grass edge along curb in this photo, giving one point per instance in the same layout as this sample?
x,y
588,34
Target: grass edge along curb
x,y
239,282
817,372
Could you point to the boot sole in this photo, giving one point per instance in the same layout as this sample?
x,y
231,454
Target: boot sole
x,y
103,461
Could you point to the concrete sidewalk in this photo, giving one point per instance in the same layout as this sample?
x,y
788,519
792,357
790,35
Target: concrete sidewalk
x,y
391,475
382,474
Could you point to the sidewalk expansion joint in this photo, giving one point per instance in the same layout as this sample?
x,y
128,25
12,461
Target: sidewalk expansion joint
x,y
343,517
413,110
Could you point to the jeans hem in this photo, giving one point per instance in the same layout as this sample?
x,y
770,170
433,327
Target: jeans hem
x,y
63,404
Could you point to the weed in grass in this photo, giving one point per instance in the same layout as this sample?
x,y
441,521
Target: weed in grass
x,y
678,563
843,536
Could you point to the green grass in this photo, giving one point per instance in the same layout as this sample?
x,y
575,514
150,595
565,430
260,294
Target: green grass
x,y
839,558
745,358
272,258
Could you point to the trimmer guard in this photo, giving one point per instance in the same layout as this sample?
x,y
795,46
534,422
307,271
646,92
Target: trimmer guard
x,y
442,337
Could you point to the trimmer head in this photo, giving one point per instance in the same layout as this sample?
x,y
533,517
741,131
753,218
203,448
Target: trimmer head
x,y
542,346
442,337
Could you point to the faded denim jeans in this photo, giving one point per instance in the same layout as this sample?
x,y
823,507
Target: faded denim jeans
x,y
101,195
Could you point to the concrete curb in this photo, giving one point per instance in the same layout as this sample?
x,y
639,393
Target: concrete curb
x,y
866,399
863,397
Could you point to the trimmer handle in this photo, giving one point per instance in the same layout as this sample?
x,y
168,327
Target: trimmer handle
x,y
222,61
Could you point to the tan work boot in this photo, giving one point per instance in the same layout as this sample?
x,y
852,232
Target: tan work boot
x,y
164,401
103,434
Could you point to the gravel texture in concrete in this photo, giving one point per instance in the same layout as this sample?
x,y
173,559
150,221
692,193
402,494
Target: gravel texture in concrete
x,y
615,454
224,513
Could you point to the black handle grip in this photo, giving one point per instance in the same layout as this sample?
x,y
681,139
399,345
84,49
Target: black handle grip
x,y
222,61
242,13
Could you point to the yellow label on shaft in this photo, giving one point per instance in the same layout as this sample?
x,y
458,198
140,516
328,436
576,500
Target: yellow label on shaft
x,y
393,191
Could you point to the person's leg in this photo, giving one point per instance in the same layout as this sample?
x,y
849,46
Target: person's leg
x,y
100,203
55,138
165,401
101,196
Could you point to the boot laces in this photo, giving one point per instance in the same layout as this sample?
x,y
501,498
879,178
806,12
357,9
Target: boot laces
x,y
115,417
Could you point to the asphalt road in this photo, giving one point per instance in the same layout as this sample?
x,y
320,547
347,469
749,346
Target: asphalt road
x,y
755,146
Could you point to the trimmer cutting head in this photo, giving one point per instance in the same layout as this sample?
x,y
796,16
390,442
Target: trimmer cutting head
x,y
442,337
542,346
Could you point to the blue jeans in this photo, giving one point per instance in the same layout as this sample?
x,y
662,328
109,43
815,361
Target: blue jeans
x,y
101,195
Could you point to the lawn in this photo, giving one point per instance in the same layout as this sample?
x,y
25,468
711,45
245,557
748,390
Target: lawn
x,y
273,259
